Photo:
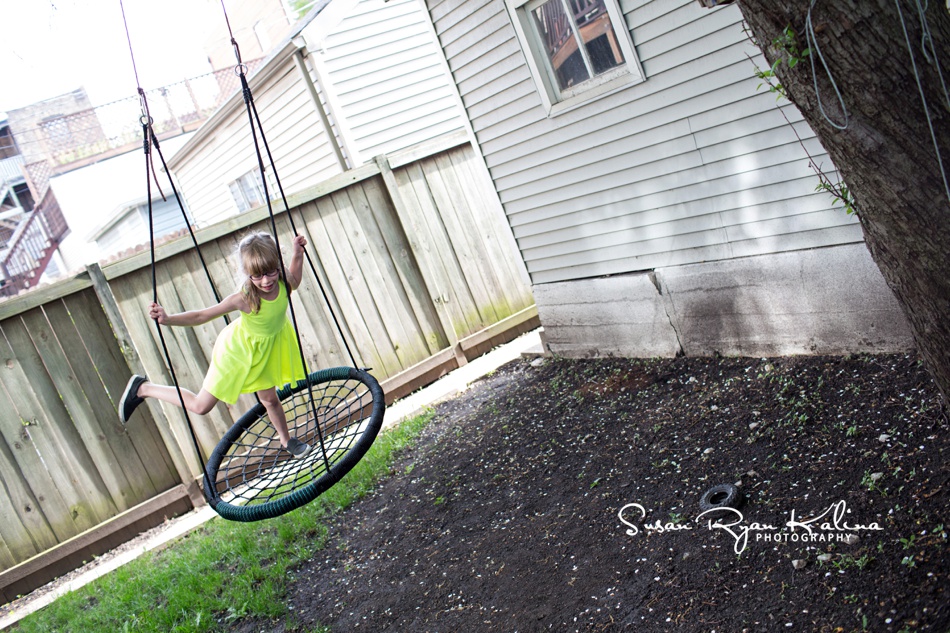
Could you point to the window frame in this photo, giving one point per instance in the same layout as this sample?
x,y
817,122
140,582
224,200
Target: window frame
x,y
555,100
251,180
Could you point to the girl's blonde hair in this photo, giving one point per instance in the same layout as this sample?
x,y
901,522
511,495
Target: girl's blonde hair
x,y
259,255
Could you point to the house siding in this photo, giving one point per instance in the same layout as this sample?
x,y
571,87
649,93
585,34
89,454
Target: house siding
x,y
379,75
133,229
385,80
129,230
674,216
695,164
295,134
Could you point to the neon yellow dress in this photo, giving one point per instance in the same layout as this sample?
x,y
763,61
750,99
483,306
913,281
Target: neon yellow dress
x,y
255,352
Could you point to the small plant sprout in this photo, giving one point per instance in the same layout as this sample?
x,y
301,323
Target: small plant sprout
x,y
787,47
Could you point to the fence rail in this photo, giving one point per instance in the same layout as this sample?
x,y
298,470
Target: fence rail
x,y
416,259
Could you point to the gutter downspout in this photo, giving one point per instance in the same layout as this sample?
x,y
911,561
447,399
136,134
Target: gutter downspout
x,y
301,63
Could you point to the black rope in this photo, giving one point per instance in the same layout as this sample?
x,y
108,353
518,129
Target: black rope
x,y
184,215
248,99
150,139
128,38
293,227
252,114
146,135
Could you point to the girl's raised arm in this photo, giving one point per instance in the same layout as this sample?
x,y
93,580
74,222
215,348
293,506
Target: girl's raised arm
x,y
295,271
197,317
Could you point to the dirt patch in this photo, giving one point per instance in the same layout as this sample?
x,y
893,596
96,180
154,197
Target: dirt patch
x,y
507,514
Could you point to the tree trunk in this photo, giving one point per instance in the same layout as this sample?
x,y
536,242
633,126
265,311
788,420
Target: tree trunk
x,y
887,154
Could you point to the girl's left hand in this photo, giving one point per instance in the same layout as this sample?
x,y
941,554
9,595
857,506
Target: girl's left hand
x,y
158,313
299,242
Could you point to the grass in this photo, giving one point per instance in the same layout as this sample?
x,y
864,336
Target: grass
x,y
223,572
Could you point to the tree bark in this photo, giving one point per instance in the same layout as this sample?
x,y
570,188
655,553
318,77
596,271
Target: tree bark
x,y
887,154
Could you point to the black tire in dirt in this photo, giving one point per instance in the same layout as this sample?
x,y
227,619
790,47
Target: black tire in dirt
x,y
718,499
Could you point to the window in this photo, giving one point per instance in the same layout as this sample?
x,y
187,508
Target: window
x,y
24,196
576,49
248,190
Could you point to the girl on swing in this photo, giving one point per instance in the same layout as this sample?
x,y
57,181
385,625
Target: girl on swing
x,y
253,354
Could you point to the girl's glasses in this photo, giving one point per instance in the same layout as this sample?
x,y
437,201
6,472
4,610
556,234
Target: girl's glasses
x,y
271,274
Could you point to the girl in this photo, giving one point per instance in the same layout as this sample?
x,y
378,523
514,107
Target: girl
x,y
254,353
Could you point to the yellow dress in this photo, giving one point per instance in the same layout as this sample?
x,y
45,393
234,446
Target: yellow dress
x,y
255,352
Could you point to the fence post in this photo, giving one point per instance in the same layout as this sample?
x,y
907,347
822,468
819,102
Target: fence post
x,y
111,309
429,263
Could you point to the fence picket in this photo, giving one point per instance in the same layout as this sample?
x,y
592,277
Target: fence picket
x,y
143,455
495,234
132,297
337,286
398,251
45,429
319,337
68,369
24,530
353,255
384,284
472,260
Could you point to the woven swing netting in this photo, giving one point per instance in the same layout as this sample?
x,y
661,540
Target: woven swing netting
x,y
254,478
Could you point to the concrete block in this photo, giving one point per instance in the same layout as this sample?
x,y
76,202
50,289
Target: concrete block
x,y
608,316
822,301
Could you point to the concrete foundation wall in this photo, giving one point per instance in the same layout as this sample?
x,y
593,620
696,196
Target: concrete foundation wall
x,y
822,301
608,316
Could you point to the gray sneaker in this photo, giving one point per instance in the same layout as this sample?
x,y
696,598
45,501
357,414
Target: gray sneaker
x,y
298,449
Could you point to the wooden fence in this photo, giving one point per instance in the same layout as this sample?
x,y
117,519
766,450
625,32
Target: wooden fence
x,y
412,249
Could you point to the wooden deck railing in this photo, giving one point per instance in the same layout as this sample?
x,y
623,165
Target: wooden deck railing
x,y
32,246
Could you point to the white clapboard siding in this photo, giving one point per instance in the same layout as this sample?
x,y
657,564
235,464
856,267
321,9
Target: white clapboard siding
x,y
652,161
696,226
295,135
166,217
480,49
128,231
379,74
385,78
662,98
742,206
133,228
665,183
694,164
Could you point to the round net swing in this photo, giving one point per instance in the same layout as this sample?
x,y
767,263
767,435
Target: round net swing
x,y
253,478
250,476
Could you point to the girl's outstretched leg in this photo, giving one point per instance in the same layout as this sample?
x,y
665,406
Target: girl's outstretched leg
x,y
275,411
139,388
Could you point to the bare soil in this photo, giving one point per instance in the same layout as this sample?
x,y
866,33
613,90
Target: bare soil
x,y
514,510
565,495
506,514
